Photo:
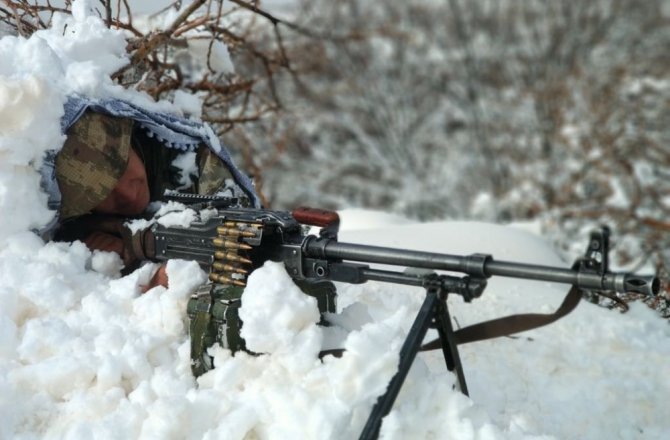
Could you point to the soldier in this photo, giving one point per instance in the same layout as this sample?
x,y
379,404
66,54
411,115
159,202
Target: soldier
x,y
110,166
114,163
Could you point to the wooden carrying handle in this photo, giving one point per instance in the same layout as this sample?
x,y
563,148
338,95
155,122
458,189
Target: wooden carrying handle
x,y
316,217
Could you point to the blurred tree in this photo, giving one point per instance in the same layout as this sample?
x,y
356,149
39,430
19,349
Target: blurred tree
x,y
497,110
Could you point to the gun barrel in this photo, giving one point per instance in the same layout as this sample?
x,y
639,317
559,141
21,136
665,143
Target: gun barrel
x,y
618,282
481,266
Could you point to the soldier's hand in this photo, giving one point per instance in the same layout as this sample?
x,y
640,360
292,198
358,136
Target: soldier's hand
x,y
103,241
160,278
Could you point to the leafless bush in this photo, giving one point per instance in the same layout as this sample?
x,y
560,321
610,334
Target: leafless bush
x,y
162,59
497,110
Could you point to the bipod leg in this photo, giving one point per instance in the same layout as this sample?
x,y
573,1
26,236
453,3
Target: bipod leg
x,y
427,315
449,345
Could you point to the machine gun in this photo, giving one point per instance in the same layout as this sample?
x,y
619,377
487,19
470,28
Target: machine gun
x,y
229,242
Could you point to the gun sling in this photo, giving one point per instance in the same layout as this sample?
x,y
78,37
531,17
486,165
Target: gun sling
x,y
509,325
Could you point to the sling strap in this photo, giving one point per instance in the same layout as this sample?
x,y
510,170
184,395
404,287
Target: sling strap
x,y
496,328
511,324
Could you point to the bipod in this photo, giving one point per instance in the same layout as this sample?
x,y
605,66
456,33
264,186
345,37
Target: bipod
x,y
434,313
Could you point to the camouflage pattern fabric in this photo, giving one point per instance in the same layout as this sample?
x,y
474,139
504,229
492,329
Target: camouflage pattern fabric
x,y
93,159
212,174
173,132
95,156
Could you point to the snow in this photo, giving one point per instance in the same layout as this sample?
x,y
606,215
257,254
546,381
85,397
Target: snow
x,y
189,103
210,55
167,214
278,317
28,128
186,164
84,355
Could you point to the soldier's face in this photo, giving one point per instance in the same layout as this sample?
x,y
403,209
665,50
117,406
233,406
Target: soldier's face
x,y
131,195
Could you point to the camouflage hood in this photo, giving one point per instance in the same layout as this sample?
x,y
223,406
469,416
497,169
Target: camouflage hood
x,y
91,162
171,130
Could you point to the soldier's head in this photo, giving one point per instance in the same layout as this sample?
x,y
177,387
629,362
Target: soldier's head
x,y
98,170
